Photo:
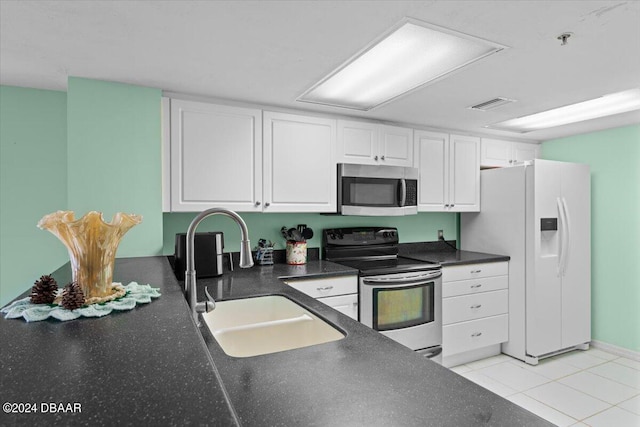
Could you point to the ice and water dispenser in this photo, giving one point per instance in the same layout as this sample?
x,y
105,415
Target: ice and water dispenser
x,y
549,240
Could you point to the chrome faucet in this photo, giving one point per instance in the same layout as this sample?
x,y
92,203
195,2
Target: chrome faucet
x,y
246,260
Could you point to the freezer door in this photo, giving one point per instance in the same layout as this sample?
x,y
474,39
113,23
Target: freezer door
x,y
544,249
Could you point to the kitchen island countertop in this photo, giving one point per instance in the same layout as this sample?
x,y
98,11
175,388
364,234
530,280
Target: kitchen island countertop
x,y
151,366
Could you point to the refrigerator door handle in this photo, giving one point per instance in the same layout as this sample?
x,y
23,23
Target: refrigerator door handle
x,y
563,242
567,241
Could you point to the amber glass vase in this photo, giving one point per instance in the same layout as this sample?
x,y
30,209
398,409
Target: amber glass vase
x,y
92,245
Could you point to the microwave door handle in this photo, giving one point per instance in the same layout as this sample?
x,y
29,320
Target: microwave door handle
x,y
402,200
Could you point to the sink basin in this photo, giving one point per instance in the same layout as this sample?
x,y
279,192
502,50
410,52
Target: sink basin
x,y
263,325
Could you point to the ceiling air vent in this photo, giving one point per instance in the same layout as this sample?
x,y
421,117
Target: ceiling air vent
x,y
491,104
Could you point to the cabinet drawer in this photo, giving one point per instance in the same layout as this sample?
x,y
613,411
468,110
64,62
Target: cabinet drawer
x,y
473,271
345,304
473,286
475,334
326,287
476,306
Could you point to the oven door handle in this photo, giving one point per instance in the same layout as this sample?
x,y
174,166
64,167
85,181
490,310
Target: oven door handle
x,y
417,279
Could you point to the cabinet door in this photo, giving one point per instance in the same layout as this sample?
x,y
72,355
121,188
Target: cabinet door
x,y
432,160
299,163
345,304
216,157
523,151
325,287
464,173
357,142
396,146
495,153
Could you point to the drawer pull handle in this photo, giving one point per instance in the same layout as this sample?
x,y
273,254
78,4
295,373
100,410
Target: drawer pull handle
x,y
476,334
475,286
326,288
475,271
476,306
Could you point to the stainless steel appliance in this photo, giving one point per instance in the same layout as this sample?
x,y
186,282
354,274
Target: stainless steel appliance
x,y
399,297
539,215
377,190
208,247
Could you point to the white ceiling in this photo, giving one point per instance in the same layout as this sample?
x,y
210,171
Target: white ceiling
x,y
269,52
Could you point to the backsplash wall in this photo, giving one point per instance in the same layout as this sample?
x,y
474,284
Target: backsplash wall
x,y
412,228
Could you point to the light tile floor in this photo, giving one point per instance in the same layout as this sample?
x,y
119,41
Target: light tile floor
x,y
581,388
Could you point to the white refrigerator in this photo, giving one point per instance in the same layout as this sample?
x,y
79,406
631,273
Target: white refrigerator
x,y
540,215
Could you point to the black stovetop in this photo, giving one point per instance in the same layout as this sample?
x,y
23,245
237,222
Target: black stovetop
x,y
388,266
371,250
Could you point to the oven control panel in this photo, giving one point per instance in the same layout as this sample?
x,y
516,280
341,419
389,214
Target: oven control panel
x,y
360,236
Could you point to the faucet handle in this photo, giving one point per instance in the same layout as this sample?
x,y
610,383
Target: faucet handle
x,y
208,305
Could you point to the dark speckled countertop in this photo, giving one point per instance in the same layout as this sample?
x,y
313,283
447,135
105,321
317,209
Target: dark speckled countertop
x,y
151,366
446,254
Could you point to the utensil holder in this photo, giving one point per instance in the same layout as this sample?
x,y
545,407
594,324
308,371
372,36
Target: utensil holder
x,y
264,256
296,252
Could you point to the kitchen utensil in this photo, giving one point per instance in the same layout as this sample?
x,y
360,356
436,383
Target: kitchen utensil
x,y
307,233
296,235
301,227
284,232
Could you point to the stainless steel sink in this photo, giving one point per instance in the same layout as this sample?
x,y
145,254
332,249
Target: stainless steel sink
x,y
263,325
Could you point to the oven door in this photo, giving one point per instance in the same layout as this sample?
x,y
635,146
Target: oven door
x,y
406,307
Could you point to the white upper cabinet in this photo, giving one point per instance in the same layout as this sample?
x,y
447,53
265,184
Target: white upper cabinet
x,y
247,160
432,160
396,146
502,153
449,172
374,144
464,173
357,142
216,157
299,163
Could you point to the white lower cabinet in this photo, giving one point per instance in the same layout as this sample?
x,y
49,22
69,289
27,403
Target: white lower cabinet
x,y
475,311
465,336
340,293
345,304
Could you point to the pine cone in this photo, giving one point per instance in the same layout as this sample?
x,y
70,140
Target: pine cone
x,y
44,290
72,296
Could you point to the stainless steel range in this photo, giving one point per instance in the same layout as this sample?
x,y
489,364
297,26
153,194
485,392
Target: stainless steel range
x,y
399,297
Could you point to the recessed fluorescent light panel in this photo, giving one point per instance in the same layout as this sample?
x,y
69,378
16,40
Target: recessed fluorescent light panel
x,y
607,105
410,55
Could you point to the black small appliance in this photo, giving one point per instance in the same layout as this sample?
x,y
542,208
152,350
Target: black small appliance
x,y
208,247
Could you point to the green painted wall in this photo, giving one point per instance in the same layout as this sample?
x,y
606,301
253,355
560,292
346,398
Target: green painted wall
x,y
33,180
414,228
114,157
614,157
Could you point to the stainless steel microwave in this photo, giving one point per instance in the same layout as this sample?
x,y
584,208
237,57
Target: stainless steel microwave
x,y
370,190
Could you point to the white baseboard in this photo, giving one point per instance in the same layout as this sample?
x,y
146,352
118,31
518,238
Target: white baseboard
x,y
614,349
470,356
